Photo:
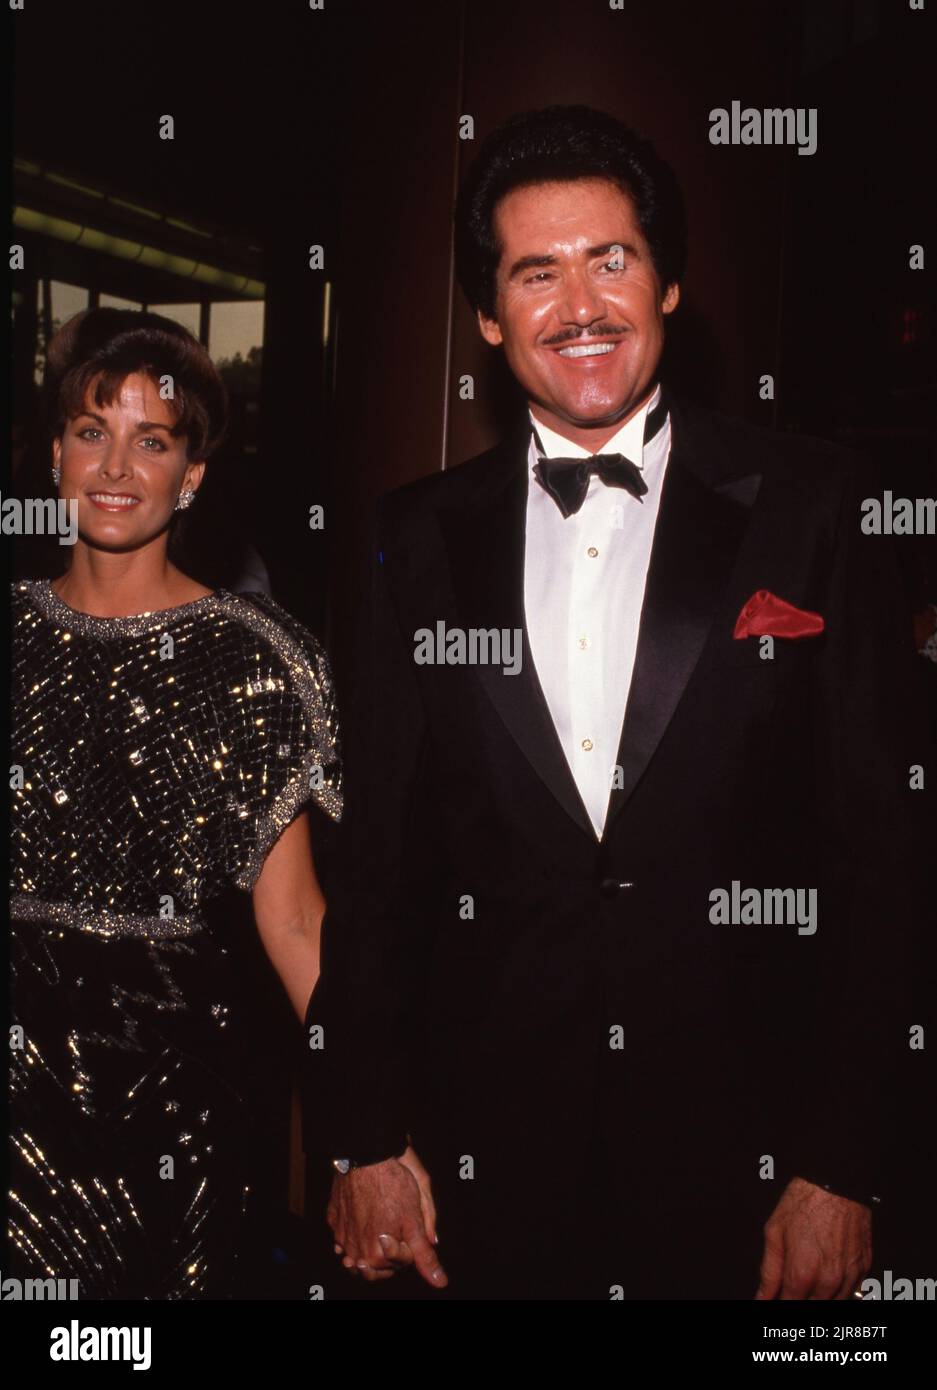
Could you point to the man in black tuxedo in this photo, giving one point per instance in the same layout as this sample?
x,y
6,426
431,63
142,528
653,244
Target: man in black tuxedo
x,y
617,981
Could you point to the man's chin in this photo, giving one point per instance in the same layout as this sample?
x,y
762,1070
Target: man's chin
x,y
592,416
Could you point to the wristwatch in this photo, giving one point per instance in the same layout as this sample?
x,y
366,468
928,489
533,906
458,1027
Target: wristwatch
x,y
365,1160
868,1199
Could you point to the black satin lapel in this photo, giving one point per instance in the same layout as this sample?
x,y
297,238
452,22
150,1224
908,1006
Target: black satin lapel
x,y
486,555
699,530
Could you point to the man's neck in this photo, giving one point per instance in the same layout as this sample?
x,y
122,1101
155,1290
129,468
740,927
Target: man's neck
x,y
590,437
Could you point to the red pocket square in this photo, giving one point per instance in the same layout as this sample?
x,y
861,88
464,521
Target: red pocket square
x,y
766,615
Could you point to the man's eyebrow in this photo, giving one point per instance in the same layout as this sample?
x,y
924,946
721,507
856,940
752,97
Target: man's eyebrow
x,y
527,262
530,262
606,247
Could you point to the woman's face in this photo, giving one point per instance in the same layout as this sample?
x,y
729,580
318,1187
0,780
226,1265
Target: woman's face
x,y
124,467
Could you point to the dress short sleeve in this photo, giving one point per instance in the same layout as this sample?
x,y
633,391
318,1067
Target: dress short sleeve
x,y
286,748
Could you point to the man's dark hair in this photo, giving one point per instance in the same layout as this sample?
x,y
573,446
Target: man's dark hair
x,y
100,348
557,145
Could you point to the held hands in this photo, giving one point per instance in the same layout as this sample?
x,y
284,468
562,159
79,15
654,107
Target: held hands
x,y
383,1219
817,1245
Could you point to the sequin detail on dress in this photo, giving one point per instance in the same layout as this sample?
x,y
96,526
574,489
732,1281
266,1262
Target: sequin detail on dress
x,y
155,758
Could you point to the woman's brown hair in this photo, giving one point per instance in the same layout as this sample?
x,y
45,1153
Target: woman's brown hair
x,y
100,348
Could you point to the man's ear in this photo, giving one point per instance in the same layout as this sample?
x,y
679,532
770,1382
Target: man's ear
x,y
671,299
489,329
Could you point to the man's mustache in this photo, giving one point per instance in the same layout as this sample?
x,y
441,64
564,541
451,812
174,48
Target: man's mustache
x,y
594,330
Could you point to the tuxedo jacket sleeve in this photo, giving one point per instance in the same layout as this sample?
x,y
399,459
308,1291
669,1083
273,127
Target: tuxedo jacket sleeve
x,y
374,936
865,1091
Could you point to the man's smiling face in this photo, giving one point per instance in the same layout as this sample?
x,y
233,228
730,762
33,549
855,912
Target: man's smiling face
x,y
579,306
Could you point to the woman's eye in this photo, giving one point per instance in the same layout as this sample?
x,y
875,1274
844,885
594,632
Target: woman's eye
x,y
88,430
160,446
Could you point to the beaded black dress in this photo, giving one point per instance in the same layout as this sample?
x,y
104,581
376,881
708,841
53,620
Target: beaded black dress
x,y
154,759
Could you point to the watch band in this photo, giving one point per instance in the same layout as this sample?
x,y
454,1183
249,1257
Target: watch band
x,y
365,1159
868,1199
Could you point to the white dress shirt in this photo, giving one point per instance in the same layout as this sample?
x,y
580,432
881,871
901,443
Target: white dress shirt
x,y
584,579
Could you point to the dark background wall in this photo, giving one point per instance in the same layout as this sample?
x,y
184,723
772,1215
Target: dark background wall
x,y
661,68
340,127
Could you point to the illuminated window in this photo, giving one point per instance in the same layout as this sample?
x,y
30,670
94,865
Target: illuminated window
x,y
186,314
56,303
235,329
67,300
111,301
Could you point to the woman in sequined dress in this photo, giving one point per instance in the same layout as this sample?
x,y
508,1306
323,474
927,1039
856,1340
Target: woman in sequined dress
x,y
166,739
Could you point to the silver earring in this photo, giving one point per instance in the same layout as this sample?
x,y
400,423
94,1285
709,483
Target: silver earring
x,y
56,474
185,499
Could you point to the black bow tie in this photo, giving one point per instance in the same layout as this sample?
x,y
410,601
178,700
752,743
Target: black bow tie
x,y
567,480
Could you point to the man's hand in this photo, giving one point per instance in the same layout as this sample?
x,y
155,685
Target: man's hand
x,y
817,1246
383,1218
